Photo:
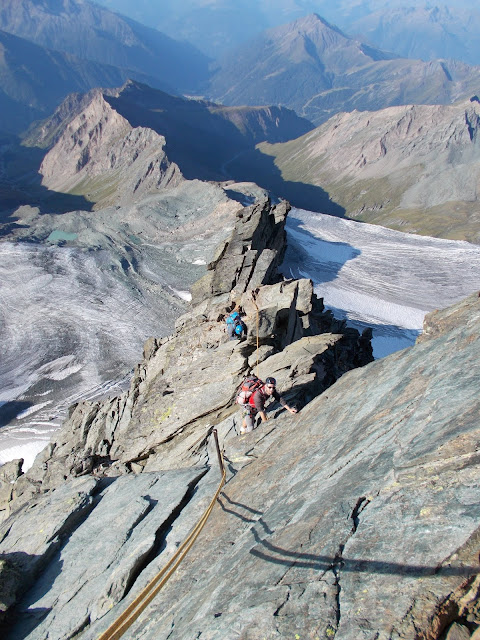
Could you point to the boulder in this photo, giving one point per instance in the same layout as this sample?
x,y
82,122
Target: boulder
x,y
249,257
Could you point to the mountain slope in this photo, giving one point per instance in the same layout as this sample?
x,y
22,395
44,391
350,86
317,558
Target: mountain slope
x,y
91,32
34,80
411,168
313,68
149,132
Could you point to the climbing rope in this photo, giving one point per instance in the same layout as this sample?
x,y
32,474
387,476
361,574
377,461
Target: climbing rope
x,y
135,608
258,324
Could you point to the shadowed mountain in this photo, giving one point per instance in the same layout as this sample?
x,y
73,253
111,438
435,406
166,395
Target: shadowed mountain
x,y
34,80
202,136
93,33
410,168
313,68
113,146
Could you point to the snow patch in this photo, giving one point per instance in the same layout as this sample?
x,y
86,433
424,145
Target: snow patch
x,y
184,295
373,276
59,369
34,409
28,451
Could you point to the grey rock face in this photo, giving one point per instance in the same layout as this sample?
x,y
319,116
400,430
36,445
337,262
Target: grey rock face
x,y
9,472
129,518
249,257
356,518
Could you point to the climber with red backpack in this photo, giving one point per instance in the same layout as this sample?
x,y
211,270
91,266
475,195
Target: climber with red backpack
x,y
252,396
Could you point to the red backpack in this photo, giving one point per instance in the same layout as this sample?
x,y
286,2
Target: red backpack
x,y
248,387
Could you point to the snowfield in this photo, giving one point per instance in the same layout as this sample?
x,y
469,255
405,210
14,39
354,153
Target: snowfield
x,y
372,276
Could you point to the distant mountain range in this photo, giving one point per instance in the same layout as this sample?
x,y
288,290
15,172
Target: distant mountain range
x,y
93,33
309,65
312,67
414,30
111,145
411,168
425,32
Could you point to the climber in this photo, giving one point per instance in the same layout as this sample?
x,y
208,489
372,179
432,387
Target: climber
x,y
236,328
256,404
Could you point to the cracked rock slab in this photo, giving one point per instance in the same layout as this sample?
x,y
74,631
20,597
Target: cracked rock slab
x,y
104,555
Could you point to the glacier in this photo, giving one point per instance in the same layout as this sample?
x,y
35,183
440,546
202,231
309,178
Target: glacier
x,y
72,327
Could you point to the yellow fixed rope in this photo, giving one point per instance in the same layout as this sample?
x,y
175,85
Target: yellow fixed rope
x,y
258,324
135,608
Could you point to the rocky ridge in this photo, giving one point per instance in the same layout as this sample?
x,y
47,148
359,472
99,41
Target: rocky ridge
x,y
185,386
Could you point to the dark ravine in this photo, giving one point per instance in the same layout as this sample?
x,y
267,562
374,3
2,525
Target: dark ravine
x,y
356,518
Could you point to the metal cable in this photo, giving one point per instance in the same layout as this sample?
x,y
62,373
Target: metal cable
x,y
258,324
135,608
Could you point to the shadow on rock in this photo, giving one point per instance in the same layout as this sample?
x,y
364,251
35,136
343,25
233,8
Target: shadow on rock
x,y
254,166
307,254
11,410
48,202
21,184
277,555
16,574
